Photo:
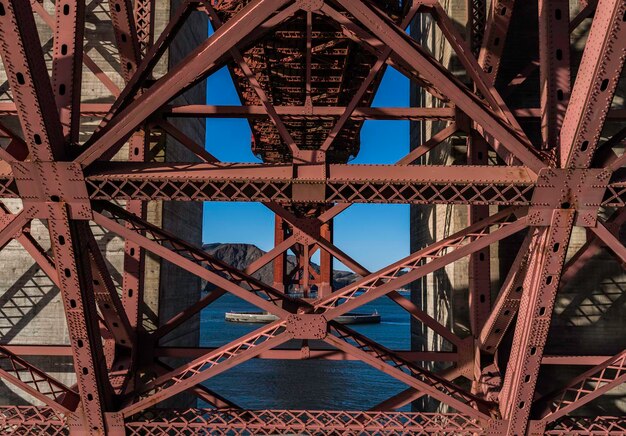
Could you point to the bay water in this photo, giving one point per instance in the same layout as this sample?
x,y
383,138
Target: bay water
x,y
305,384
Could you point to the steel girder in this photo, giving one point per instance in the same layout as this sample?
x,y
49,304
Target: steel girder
x,y
306,108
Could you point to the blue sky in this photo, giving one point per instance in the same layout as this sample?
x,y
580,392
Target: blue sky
x,y
374,235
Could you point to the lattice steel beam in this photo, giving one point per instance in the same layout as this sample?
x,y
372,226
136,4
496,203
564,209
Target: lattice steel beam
x,y
32,420
585,388
37,383
144,23
273,421
331,184
584,425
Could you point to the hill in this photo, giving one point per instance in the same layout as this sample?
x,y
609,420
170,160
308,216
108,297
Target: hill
x,y
242,255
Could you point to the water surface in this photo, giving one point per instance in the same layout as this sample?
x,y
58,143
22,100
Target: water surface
x,y
305,384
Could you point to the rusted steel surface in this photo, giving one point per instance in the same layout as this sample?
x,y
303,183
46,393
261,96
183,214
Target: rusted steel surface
x,y
307,72
335,66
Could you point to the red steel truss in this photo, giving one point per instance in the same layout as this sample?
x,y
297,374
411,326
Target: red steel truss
x,y
307,72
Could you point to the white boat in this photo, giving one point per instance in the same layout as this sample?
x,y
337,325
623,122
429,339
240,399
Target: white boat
x,y
265,317
252,317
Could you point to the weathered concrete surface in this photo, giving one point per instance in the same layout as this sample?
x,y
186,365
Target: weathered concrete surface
x,y
438,293
589,316
31,311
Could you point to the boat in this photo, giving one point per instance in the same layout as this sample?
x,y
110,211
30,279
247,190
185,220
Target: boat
x,y
250,317
359,318
265,317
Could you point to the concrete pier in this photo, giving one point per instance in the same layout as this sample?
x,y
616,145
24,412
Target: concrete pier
x,y
31,311
590,310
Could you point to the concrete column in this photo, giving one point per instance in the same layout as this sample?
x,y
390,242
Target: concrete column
x,y
589,316
31,311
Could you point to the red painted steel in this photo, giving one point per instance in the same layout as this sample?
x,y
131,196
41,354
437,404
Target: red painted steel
x,y
554,57
586,387
67,64
307,72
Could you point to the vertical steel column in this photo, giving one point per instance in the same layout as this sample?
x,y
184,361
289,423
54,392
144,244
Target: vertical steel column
x,y
496,31
134,255
476,20
535,313
325,283
126,36
30,84
144,23
554,59
479,263
598,74
305,275
280,262
308,58
29,81
67,64
298,279
479,280
479,267
76,284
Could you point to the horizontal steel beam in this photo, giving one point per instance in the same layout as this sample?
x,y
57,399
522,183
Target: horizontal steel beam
x,y
86,109
586,387
500,175
584,425
297,354
310,353
300,422
252,112
335,183
286,112
312,183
